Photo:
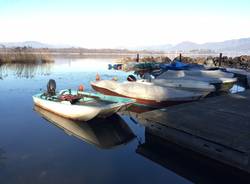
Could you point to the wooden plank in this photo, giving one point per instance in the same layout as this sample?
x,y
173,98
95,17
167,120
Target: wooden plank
x,y
223,120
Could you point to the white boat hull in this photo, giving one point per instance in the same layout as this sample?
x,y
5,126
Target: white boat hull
x,y
77,112
146,93
185,84
221,80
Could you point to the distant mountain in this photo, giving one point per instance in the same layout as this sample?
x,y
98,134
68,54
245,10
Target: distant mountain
x,y
242,44
236,45
153,47
185,46
33,44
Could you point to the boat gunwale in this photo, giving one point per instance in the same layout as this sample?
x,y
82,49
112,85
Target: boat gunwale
x,y
113,103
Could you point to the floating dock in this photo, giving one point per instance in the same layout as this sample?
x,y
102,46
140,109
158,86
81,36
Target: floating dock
x,y
217,127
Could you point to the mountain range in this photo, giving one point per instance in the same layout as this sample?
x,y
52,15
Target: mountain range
x,y
33,44
235,45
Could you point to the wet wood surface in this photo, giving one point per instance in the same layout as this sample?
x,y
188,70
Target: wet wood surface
x,y
218,127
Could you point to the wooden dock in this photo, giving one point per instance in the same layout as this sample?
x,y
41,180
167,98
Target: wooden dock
x,y
217,127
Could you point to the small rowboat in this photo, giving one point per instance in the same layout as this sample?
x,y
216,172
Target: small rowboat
x,y
79,105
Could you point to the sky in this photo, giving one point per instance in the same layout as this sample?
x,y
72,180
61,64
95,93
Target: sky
x,y
124,23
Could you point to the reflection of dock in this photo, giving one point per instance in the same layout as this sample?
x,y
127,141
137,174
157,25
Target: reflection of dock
x,y
217,127
194,167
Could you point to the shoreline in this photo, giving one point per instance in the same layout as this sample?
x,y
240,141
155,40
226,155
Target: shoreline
x,y
31,55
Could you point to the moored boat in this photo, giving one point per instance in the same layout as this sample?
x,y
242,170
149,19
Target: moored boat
x,y
176,65
146,93
222,81
79,105
196,73
209,73
185,84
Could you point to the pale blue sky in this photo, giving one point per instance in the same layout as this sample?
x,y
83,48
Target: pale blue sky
x,y
139,6
113,23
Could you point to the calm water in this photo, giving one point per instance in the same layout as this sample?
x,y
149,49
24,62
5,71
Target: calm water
x,y
114,150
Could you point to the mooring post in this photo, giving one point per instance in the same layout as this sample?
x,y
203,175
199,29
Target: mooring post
x,y
137,58
180,57
220,59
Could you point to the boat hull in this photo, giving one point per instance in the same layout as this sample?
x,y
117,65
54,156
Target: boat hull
x,y
188,85
223,82
148,102
77,112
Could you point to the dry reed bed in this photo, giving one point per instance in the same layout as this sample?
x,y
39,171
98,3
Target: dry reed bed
x,y
23,56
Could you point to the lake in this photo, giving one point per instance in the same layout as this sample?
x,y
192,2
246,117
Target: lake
x,y
40,147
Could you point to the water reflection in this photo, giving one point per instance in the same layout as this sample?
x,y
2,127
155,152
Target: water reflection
x,y
85,163
187,164
2,157
138,109
2,71
103,133
25,70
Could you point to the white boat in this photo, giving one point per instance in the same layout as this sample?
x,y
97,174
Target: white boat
x,y
197,73
208,73
221,80
81,105
185,84
103,133
146,93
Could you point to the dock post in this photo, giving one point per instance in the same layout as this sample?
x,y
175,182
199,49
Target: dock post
x,y
180,57
137,58
220,59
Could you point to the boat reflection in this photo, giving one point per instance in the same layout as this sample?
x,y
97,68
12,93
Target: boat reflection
x,y
2,157
192,166
103,133
138,109
24,70
135,111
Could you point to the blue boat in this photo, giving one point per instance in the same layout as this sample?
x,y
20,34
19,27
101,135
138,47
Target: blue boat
x,y
176,65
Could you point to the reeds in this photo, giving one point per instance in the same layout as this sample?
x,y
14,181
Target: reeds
x,y
22,55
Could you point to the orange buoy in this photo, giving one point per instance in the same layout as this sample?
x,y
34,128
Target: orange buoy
x,y
97,77
81,87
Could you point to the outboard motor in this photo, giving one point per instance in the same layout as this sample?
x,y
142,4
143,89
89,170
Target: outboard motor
x,y
51,87
131,78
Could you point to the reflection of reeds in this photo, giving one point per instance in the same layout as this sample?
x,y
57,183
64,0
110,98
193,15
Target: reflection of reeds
x,y
22,55
2,71
25,70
